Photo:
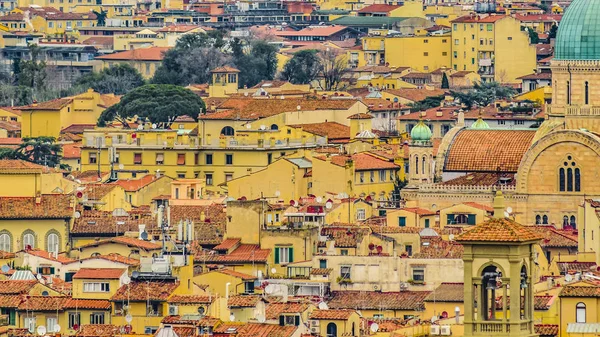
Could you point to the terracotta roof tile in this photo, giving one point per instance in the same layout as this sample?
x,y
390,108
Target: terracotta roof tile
x,y
331,130
447,292
50,206
100,222
243,301
81,303
539,302
482,179
378,8
143,291
321,271
209,230
244,253
362,162
375,300
416,95
115,257
71,151
225,69
97,330
323,31
273,310
332,314
419,211
128,241
191,299
10,301
488,150
15,165
546,330
553,237
361,116
575,266
16,287
48,256
228,243
78,129
132,185
499,230
43,303
234,273
141,54
55,104
99,273
255,330
440,249
478,18
479,206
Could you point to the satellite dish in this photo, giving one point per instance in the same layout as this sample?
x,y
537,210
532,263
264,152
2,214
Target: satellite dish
x,y
323,306
374,327
269,289
135,274
319,199
201,311
263,127
154,125
140,127
232,317
260,318
144,235
126,280
128,318
509,209
328,205
434,319
248,126
41,330
451,237
568,278
77,214
506,214
56,328
121,166
5,269
273,271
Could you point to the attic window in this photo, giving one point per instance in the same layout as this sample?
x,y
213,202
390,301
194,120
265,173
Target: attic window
x,y
91,222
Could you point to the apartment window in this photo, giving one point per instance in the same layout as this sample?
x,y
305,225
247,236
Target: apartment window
x,y
472,36
444,41
455,27
490,27
408,249
372,176
79,23
96,287
137,158
382,175
284,255
425,54
322,264
50,24
481,42
269,158
344,252
472,60
481,27
580,312
419,275
361,177
74,318
229,159
401,221
208,158
209,179
180,175
501,122
345,272
97,318
519,122
60,23
51,322
30,324
147,68
510,38
425,41
455,56
181,159
444,53
228,176
361,214
196,158
160,158
456,42
491,42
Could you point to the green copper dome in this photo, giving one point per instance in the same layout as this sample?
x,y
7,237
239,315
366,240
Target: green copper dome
x,y
420,132
480,124
578,36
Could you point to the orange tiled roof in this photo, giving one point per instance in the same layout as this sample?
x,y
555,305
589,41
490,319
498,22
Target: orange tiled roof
x,y
575,266
553,237
416,95
376,300
478,18
225,69
17,165
234,273
255,330
99,222
50,206
141,54
482,179
499,230
419,211
55,104
244,253
71,151
191,299
228,244
131,242
546,330
361,116
99,273
43,303
49,256
447,292
97,330
273,310
78,129
16,286
132,185
332,314
115,257
362,162
331,130
488,150
10,301
320,31
479,206
440,249
209,230
243,301
143,291
378,8
81,303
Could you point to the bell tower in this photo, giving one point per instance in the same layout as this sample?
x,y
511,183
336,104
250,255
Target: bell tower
x,y
499,262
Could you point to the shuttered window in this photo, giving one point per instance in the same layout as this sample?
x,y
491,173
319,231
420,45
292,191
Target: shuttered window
x,y
137,158
181,159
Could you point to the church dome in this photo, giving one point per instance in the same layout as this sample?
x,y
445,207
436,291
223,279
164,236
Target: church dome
x,y
480,124
578,36
421,132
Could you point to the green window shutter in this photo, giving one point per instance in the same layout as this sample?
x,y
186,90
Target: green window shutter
x,y
52,270
297,320
291,253
401,221
276,255
426,223
281,320
471,219
449,219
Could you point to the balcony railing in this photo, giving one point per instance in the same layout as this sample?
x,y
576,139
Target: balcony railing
x,y
491,327
4,320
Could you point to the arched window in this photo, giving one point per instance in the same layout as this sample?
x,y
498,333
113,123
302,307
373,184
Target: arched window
x,y
580,312
416,164
423,167
353,329
28,241
573,221
227,131
587,93
331,330
53,245
538,219
568,92
569,176
565,221
274,127
5,242
561,178
569,180
545,219
577,180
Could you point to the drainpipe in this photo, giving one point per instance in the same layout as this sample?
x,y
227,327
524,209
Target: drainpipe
x,y
227,290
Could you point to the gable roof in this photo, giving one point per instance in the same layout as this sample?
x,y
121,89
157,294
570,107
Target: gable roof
x,y
144,291
488,150
255,329
332,314
125,240
99,273
16,287
499,230
376,300
362,161
378,8
415,94
447,292
191,299
243,301
133,185
55,104
273,310
141,54
50,206
332,130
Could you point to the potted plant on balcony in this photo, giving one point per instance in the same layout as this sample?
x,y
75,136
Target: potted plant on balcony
x,y
343,280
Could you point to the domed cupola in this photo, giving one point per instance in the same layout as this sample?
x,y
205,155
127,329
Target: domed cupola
x,y
578,36
421,132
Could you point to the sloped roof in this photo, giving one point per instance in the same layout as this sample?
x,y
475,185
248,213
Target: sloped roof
x,y
97,330
255,329
332,314
16,287
99,273
243,301
362,162
143,291
478,18
331,130
55,104
81,303
447,292
141,54
378,8
128,241
50,206
273,310
499,230
132,185
415,94
375,300
488,150
191,299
